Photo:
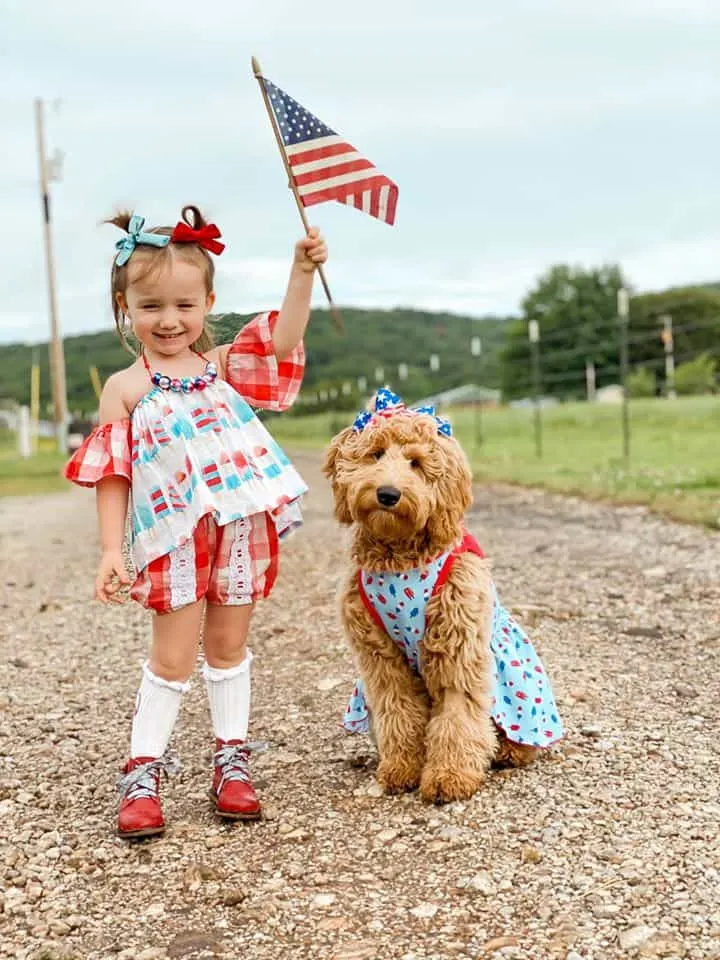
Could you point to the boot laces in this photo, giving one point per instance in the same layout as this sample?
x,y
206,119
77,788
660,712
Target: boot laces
x,y
143,781
234,758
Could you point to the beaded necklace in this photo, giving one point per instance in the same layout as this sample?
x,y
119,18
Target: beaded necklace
x,y
183,384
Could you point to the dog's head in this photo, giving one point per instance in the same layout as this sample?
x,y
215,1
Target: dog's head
x,y
397,472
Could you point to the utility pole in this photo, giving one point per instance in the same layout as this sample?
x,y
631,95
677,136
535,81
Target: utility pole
x,y
668,340
534,337
48,173
623,312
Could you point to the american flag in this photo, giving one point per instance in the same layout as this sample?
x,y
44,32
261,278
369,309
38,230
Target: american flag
x,y
326,167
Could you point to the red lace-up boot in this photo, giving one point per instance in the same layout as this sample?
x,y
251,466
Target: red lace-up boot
x,y
140,813
232,789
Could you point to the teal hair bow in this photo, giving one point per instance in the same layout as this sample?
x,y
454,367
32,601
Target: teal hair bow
x,y
135,236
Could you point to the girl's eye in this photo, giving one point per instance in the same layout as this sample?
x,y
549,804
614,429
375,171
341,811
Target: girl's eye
x,y
150,306
186,306
378,454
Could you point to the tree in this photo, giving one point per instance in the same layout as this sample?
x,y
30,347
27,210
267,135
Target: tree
x,y
696,376
576,312
695,314
641,383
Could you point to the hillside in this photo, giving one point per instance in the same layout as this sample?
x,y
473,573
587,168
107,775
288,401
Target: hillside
x,y
371,339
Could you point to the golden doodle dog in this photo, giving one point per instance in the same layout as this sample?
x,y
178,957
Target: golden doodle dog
x,y
449,682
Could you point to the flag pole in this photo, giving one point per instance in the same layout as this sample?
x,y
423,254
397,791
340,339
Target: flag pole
x,y
293,186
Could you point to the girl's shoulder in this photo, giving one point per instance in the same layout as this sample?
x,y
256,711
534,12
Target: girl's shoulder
x,y
122,391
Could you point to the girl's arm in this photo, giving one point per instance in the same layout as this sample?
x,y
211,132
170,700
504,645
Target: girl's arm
x,y
294,314
295,311
111,495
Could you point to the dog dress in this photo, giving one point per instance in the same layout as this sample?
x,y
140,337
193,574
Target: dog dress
x,y
195,451
522,704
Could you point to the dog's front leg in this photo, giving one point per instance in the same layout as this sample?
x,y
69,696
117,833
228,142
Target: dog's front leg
x,y
396,696
460,741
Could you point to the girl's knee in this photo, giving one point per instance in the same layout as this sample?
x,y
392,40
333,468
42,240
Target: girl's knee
x,y
225,635
227,655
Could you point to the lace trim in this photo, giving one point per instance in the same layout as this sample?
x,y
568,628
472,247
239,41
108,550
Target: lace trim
x,y
182,575
240,564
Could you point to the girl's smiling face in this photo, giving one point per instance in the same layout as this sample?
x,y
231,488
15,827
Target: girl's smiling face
x,y
167,307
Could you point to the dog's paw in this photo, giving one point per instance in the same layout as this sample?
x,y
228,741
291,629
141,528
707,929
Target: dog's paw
x,y
399,775
445,786
514,754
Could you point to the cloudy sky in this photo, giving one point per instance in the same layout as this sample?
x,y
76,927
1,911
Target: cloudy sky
x,y
520,134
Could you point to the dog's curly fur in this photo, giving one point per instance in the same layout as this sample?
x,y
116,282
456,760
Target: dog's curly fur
x,y
433,730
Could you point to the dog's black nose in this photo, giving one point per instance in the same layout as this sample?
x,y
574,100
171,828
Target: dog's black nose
x,y
388,496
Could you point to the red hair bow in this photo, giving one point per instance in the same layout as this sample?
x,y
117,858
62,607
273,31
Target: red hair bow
x,y
207,236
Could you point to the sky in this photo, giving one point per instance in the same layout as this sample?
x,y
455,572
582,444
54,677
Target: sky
x,y
520,134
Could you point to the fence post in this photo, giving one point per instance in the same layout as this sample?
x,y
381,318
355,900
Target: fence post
x,y
476,351
23,432
668,341
623,312
590,381
534,336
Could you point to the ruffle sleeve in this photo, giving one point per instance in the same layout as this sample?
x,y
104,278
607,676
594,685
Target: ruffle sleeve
x,y
255,372
105,453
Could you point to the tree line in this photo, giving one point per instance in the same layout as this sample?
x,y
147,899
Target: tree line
x,y
576,314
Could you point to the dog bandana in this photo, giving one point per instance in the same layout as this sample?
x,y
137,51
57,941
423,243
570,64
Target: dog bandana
x,y
522,705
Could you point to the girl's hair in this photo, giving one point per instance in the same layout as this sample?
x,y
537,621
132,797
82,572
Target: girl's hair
x,y
152,260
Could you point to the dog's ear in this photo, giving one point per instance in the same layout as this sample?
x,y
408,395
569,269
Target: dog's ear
x,y
334,451
333,455
454,495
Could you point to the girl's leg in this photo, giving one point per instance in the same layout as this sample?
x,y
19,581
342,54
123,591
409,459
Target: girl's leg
x,y
227,669
165,679
227,677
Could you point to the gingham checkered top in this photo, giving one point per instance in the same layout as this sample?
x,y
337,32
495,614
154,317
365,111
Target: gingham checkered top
x,y
188,455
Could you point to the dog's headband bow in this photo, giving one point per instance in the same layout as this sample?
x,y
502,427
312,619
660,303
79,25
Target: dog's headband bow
x,y
135,235
386,403
207,237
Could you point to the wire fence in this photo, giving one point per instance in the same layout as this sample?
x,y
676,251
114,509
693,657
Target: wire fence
x,y
622,364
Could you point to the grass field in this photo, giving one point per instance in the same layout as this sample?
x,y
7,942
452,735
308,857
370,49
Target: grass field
x,y
674,465
38,474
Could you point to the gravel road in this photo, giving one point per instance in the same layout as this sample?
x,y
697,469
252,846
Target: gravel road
x,y
609,847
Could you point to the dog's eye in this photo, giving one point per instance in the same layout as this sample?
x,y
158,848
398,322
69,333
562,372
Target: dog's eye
x,y
415,463
377,454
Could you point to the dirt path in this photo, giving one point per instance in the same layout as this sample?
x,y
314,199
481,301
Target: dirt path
x,y
607,848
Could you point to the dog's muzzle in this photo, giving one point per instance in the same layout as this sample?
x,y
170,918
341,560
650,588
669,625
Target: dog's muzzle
x,y
388,496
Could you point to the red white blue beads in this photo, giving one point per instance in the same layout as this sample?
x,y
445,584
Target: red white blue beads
x,y
185,384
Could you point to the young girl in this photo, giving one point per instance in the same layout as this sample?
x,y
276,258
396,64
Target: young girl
x,y
210,491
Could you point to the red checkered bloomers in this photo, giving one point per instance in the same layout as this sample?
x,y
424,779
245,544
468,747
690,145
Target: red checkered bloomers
x,y
227,565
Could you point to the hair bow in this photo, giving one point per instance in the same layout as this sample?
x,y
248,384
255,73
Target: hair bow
x,y
135,236
387,403
207,236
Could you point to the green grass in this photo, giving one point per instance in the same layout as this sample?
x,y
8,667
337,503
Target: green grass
x,y
674,463
38,474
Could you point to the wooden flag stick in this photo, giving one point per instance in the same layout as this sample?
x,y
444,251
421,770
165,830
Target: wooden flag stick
x,y
293,186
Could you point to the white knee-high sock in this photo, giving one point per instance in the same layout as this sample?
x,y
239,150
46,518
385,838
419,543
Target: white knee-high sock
x,y
229,697
156,710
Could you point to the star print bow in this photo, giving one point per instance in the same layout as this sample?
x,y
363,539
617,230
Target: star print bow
x,y
207,236
135,235
387,403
